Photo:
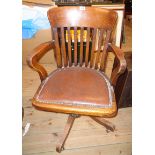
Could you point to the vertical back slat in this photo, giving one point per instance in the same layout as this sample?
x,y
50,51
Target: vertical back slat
x,y
63,48
99,48
58,52
93,48
87,47
81,46
52,33
69,47
104,53
75,46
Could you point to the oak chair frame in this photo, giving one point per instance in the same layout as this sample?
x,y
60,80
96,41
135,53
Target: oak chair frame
x,y
58,30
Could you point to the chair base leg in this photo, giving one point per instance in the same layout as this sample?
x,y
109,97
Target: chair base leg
x,y
62,140
108,125
60,146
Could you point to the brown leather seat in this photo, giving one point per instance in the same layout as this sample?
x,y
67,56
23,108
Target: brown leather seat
x,y
76,89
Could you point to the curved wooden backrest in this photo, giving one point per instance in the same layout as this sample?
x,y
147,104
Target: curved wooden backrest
x,y
81,35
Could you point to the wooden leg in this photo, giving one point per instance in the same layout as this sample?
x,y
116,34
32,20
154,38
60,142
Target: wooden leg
x,y
108,125
69,124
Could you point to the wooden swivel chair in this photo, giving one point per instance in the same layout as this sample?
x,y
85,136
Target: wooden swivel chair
x,y
82,36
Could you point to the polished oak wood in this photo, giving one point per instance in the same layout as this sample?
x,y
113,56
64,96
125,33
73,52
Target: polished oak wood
x,y
123,89
94,27
121,65
69,124
108,125
36,55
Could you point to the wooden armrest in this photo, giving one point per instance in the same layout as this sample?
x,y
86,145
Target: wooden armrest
x,y
36,55
121,65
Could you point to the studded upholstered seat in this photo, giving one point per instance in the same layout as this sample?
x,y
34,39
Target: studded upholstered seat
x,y
75,88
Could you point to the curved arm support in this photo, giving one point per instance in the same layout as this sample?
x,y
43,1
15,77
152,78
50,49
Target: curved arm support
x,y
121,63
36,55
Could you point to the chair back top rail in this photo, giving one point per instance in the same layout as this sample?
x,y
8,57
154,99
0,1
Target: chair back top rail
x,y
82,35
78,17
